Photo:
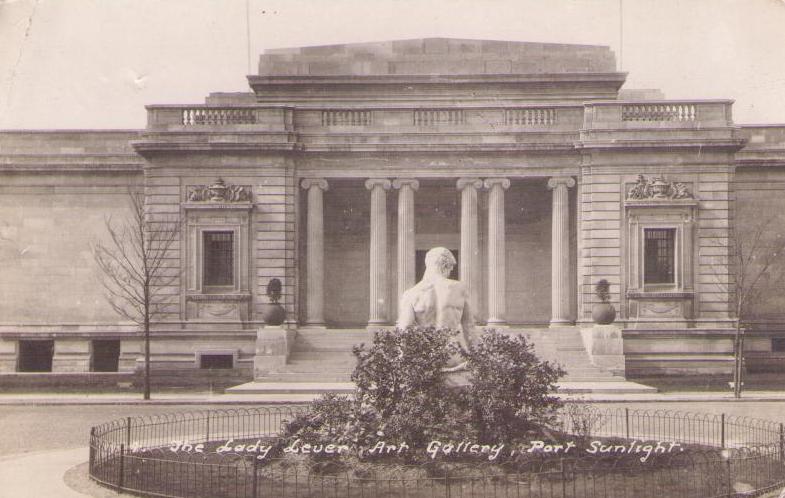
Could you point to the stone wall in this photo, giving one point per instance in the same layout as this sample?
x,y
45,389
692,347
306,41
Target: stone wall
x,y
436,56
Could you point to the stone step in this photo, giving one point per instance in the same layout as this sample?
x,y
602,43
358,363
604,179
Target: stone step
x,y
293,387
299,354
306,377
618,386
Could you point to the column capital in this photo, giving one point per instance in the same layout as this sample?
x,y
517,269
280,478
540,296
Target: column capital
x,y
490,182
462,183
555,181
400,182
314,182
378,182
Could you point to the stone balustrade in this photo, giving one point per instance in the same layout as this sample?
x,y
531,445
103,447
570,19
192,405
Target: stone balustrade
x,y
530,116
347,117
658,114
433,117
200,116
558,117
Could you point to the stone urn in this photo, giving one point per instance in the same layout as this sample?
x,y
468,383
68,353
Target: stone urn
x,y
272,312
603,313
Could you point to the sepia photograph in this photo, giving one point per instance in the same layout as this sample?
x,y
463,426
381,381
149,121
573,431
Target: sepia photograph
x,y
392,248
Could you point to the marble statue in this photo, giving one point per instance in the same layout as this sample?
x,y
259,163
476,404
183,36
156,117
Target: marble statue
x,y
439,301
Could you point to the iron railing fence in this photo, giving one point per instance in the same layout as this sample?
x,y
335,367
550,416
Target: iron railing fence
x,y
728,456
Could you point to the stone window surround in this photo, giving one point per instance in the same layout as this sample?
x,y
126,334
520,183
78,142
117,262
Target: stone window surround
x,y
678,215
208,217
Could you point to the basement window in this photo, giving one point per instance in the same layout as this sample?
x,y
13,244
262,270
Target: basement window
x,y
778,344
105,356
36,356
216,361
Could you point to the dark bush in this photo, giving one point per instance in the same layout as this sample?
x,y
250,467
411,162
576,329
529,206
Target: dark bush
x,y
402,394
510,388
400,378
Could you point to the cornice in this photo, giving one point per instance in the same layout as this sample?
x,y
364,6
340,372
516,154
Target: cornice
x,y
427,79
731,145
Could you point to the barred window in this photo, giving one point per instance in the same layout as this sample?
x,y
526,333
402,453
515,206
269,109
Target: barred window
x,y
659,255
218,258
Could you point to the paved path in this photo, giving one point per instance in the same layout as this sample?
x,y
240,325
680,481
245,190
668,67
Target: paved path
x,y
39,474
294,398
44,472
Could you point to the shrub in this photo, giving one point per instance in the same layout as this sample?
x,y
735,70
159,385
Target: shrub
x,y
400,378
509,395
603,290
581,419
402,394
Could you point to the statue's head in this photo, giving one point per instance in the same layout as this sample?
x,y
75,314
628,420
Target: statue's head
x,y
439,260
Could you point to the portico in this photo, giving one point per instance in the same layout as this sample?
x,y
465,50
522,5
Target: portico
x,y
494,225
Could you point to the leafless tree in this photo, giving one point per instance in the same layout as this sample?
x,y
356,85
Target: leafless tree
x,y
757,266
133,269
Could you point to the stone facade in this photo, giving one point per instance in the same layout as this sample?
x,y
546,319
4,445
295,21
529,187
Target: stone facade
x,y
346,163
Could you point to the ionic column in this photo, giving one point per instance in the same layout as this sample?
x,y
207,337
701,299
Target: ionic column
x,y
470,248
406,254
560,250
497,283
315,250
378,288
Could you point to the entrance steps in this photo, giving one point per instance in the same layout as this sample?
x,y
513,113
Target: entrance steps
x,y
322,361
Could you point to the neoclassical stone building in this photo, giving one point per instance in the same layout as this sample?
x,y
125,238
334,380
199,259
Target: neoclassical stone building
x,y
346,163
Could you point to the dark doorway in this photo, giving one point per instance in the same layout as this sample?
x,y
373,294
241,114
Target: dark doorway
x,y
210,361
106,356
36,356
419,265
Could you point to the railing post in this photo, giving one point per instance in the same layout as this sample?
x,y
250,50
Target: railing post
x,y
782,442
128,432
120,482
207,433
255,475
627,422
722,433
731,492
563,478
92,448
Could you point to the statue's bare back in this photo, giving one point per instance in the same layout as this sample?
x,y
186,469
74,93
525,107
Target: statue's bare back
x,y
438,301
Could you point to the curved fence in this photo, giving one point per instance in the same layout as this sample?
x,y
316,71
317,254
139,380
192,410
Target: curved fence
x,y
627,453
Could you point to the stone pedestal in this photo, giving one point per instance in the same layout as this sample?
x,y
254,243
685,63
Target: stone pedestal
x,y
273,345
457,380
71,355
605,347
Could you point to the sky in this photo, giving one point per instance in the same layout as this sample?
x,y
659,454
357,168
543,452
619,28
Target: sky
x,y
97,63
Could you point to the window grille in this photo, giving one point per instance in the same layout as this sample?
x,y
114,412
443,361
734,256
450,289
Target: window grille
x,y
218,258
659,255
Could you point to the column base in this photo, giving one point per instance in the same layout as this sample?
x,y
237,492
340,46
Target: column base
x,y
379,326
560,323
312,326
497,324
